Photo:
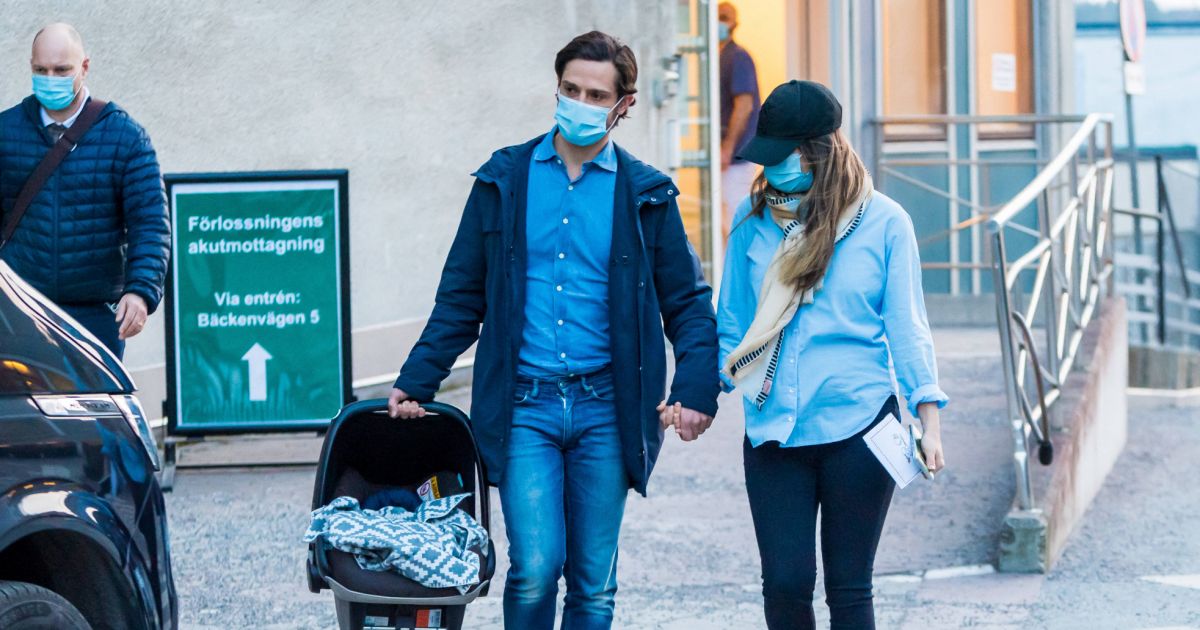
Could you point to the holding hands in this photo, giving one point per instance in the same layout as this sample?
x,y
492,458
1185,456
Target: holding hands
x,y
689,424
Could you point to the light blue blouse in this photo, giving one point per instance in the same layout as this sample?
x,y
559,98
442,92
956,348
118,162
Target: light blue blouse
x,y
834,375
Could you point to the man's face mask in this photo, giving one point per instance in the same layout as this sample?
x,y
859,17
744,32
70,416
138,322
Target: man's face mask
x,y
54,93
789,175
581,124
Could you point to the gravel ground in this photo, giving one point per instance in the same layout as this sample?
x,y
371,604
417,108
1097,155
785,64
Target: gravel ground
x,y
688,557
1144,523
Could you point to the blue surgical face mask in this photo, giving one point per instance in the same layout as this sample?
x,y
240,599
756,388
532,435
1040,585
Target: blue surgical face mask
x,y
723,31
789,175
581,124
54,93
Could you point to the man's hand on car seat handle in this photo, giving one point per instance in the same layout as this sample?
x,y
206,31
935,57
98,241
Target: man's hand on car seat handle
x,y
399,406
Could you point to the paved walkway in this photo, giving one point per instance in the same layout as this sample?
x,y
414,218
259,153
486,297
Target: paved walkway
x,y
688,557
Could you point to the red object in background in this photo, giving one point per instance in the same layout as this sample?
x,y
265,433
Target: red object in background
x,y
1133,28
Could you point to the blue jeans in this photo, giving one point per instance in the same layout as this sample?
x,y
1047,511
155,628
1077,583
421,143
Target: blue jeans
x,y
563,495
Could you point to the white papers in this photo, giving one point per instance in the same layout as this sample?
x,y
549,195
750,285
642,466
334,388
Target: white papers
x,y
890,444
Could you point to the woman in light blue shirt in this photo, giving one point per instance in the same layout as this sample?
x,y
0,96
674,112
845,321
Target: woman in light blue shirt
x,y
822,286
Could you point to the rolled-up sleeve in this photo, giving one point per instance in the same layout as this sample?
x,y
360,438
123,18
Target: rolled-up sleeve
x,y
905,320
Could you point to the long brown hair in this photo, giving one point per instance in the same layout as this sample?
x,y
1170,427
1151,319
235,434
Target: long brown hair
x,y
839,178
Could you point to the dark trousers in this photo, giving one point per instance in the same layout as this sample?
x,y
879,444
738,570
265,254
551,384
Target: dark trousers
x,y
99,320
786,486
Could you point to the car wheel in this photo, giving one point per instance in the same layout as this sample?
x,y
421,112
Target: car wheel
x,y
31,607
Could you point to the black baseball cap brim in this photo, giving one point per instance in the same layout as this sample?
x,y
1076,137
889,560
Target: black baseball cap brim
x,y
767,151
794,113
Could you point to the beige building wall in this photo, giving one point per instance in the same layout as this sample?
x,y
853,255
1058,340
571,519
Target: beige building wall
x,y
410,97
763,31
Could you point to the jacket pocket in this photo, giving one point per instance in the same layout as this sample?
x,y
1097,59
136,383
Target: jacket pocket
x,y
493,236
491,222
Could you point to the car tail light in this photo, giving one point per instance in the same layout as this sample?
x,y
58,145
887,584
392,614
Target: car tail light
x,y
131,408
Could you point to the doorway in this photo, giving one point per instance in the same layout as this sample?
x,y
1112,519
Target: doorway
x,y
787,39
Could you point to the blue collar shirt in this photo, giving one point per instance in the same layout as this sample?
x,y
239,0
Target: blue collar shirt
x,y
569,228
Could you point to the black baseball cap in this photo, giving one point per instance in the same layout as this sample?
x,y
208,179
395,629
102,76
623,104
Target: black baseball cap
x,y
794,112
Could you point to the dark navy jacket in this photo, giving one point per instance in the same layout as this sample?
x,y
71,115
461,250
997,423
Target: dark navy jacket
x,y
655,282
98,228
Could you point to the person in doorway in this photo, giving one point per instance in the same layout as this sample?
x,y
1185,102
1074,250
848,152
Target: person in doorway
x,y
822,285
94,236
572,255
739,113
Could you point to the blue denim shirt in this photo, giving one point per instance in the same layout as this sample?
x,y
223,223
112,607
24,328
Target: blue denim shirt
x,y
834,373
569,238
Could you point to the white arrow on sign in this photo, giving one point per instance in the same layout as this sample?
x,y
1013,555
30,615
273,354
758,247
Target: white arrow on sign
x,y
256,357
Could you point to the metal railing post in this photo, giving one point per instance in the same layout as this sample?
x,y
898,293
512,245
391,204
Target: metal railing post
x,y
1165,211
1111,173
1160,256
1004,322
1050,291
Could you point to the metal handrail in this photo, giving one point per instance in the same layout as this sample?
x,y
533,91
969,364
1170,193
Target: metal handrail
x,y
1072,263
1039,423
1069,152
1063,267
966,254
1164,221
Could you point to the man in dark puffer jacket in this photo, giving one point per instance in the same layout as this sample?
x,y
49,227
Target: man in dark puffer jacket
x,y
96,238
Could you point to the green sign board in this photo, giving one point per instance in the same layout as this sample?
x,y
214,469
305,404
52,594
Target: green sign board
x,y
257,302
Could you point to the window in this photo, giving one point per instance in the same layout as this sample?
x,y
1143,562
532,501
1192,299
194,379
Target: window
x,y
1004,65
914,65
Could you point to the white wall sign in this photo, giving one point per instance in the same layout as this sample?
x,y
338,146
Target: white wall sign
x,y
1004,72
1135,78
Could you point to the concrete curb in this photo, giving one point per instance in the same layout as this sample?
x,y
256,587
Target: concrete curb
x,y
1163,368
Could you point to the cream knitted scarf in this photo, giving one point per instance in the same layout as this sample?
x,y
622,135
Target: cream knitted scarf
x,y
751,366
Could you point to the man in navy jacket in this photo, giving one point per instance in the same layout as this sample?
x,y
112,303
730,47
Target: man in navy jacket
x,y
572,256
95,239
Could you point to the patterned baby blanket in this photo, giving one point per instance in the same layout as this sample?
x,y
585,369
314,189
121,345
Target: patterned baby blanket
x,y
434,546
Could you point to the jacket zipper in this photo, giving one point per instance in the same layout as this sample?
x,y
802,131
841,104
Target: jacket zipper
x,y
56,211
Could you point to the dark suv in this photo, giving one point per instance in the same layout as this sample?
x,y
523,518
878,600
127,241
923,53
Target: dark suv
x,y
83,529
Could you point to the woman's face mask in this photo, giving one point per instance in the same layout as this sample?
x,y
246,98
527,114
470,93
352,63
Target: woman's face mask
x,y
789,175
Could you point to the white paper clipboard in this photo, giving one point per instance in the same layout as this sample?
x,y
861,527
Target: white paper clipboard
x,y
892,446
